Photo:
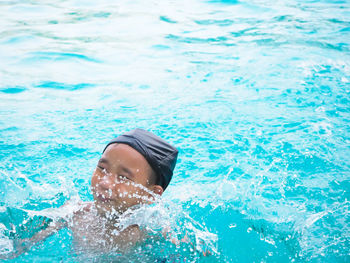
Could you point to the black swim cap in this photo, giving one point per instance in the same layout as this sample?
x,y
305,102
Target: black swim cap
x,y
160,155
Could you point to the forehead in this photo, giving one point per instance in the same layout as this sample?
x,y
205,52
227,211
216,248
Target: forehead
x,y
123,154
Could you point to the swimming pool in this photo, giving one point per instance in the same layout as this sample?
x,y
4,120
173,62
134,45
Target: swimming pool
x,y
255,95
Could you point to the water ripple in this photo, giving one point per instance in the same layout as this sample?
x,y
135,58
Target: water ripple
x,y
254,94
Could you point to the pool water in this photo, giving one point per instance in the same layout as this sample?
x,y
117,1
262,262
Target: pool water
x,y
254,94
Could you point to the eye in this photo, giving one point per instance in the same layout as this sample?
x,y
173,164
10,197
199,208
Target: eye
x,y
124,177
103,170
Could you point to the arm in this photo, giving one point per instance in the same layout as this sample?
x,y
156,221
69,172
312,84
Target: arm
x,y
176,241
23,245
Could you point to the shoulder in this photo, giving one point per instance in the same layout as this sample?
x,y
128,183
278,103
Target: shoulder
x,y
82,208
132,234
81,215
73,208
77,204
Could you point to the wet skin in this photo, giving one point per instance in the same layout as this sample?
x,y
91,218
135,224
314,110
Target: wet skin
x,y
122,179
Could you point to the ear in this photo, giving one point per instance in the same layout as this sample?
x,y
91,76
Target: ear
x,y
157,189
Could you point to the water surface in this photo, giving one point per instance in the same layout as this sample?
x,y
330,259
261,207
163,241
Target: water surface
x,y
255,95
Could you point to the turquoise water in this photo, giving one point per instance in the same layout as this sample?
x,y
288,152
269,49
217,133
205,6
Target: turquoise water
x,y
255,95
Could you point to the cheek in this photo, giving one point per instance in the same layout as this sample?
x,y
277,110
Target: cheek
x,y
120,188
126,193
94,179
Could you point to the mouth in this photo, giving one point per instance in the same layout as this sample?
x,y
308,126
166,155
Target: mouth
x,y
103,198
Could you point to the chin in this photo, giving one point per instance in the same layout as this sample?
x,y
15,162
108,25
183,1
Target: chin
x,y
102,208
106,210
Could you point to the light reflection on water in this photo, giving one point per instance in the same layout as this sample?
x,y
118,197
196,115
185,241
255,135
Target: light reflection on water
x,y
254,94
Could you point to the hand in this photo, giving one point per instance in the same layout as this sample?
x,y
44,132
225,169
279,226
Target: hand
x,y
20,246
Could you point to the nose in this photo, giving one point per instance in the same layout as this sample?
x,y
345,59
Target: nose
x,y
105,183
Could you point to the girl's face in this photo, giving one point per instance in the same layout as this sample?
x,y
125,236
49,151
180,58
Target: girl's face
x,y
123,178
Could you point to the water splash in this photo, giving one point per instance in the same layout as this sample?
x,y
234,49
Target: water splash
x,y
255,95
